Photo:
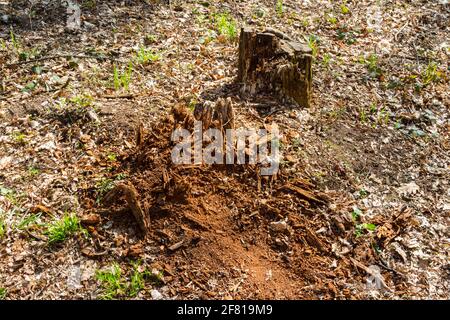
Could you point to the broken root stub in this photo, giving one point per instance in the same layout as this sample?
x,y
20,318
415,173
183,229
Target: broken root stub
x,y
270,61
131,196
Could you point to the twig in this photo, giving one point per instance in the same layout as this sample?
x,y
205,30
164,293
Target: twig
x,y
121,96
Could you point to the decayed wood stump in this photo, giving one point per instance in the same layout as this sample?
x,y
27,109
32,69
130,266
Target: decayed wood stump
x,y
218,115
270,61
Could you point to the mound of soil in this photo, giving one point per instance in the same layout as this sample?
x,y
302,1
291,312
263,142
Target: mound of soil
x,y
225,222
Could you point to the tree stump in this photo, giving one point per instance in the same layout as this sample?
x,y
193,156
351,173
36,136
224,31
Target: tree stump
x,y
270,61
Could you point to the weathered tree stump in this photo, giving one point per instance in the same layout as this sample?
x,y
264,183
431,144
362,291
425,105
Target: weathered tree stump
x,y
270,61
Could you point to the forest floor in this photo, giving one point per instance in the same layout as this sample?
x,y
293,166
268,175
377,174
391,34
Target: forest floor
x,y
360,208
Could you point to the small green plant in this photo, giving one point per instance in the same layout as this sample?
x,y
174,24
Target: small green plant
x,y
14,42
279,8
431,73
363,193
103,186
10,195
60,229
372,65
150,38
28,221
89,4
344,8
192,103
362,115
348,36
356,213
137,281
3,45
30,86
305,22
331,19
360,228
258,13
3,293
29,54
122,79
313,41
326,60
111,157
112,283
21,53
383,116
201,19
2,226
145,56
83,100
120,176
226,25
19,137
33,171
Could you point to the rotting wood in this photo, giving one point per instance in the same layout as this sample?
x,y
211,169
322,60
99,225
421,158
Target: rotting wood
x,y
314,241
176,246
140,134
219,115
304,193
195,221
131,196
271,61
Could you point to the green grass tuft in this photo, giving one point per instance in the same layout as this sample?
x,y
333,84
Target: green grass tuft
x,y
112,282
59,230
137,282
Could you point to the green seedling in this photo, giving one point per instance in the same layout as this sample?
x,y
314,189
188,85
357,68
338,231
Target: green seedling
x,y
19,137
145,56
122,79
326,60
431,74
111,157
226,25
360,228
344,9
372,66
279,8
312,42
84,100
